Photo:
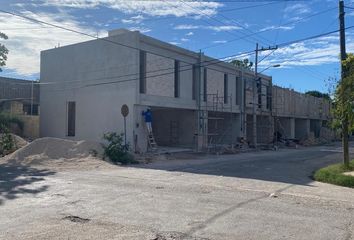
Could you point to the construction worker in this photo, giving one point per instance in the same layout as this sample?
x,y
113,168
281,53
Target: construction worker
x,y
148,119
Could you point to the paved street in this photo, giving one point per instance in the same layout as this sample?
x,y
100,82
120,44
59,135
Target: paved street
x,y
263,195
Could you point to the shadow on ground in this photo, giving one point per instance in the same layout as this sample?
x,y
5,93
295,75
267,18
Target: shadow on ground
x,y
294,166
18,180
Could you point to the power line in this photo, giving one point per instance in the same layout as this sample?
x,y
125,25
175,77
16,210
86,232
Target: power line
x,y
267,30
217,20
81,33
280,45
214,61
247,7
211,62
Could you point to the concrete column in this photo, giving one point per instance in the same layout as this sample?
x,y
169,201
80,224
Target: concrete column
x,y
292,128
302,128
308,127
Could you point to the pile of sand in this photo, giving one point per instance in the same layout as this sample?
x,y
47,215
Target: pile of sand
x,y
19,141
59,153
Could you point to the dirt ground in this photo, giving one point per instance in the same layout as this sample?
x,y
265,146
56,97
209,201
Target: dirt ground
x,y
260,195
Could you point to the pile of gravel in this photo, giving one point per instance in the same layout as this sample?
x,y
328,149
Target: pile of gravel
x,y
55,152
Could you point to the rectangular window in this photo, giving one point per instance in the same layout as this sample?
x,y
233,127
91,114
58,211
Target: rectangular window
x,y
269,97
71,118
142,72
195,80
205,84
259,92
177,78
226,88
238,91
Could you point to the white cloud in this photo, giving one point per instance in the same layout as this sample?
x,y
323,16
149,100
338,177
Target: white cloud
x,y
314,52
297,9
220,41
214,28
140,29
135,19
186,27
174,43
25,45
148,7
190,34
184,39
285,28
223,28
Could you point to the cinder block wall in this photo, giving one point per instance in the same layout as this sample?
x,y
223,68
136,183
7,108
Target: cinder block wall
x,y
174,127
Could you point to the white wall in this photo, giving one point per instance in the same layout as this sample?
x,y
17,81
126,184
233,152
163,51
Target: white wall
x,y
70,70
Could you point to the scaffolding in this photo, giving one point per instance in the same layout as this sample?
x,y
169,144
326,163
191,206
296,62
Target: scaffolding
x,y
218,121
264,112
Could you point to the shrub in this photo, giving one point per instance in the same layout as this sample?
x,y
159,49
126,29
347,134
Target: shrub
x,y
116,150
6,121
7,142
334,174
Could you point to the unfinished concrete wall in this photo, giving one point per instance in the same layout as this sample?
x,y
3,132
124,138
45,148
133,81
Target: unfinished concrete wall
x,y
285,126
160,75
89,74
302,128
264,129
30,126
174,127
223,128
315,127
249,128
11,88
215,83
287,102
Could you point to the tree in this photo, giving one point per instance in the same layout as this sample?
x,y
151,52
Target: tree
x,y
3,51
344,103
318,94
245,63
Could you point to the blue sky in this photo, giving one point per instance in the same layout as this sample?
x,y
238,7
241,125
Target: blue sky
x,y
219,28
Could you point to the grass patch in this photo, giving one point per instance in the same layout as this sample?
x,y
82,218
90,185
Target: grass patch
x,y
334,174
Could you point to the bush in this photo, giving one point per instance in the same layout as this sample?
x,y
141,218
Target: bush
x,y
6,121
334,174
7,142
116,150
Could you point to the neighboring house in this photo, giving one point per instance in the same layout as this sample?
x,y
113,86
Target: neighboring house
x,y
20,98
196,101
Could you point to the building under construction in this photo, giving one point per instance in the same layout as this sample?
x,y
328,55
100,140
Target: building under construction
x,y
196,101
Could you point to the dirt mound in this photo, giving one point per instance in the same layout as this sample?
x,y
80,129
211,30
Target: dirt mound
x,y
19,141
55,152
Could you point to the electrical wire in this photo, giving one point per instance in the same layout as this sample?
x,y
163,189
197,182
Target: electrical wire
x,y
268,30
219,21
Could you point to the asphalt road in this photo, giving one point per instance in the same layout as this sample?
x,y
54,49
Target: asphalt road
x,y
263,195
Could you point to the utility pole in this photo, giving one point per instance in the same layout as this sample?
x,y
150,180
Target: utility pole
x,y
200,121
32,98
255,97
254,107
343,56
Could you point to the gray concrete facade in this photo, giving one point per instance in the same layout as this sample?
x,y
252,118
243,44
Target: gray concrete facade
x,y
187,91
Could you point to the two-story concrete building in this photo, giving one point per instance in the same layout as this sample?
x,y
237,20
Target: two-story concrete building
x,y
196,101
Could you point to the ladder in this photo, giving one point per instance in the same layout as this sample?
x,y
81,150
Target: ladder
x,y
151,142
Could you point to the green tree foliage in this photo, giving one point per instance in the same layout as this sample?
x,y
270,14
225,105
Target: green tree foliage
x,y
3,51
115,149
7,142
319,94
7,120
245,63
344,101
